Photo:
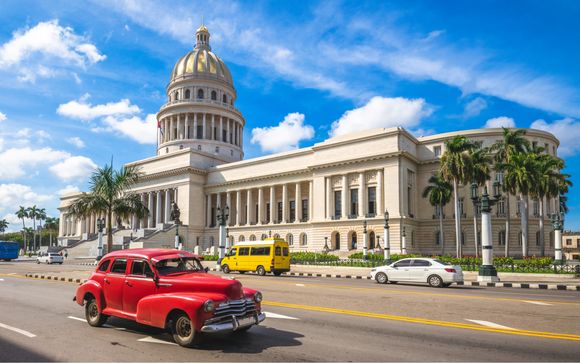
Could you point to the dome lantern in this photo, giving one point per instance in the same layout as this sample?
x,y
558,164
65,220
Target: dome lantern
x,y
202,38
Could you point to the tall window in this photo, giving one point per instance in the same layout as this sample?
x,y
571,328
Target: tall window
x,y
267,212
200,93
437,238
460,207
290,239
292,211
437,150
224,99
279,211
501,238
537,238
501,208
337,203
305,209
353,202
303,239
187,94
410,184
372,200
199,131
499,176
224,135
536,208
213,95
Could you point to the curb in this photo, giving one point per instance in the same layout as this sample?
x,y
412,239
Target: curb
x,y
56,278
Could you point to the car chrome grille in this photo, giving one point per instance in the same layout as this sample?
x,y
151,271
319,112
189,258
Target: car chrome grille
x,y
237,308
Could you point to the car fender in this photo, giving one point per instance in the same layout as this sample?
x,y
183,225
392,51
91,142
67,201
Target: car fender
x,y
249,293
93,287
154,309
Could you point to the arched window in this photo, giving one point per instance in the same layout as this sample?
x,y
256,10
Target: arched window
x,y
199,147
187,94
200,93
335,240
290,239
303,239
241,239
277,236
501,238
352,239
372,240
214,95
263,236
176,95
224,99
252,237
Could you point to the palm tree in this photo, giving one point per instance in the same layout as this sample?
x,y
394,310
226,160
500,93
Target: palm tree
x,y
439,193
511,143
479,164
22,213
110,193
455,169
41,216
33,213
3,225
51,226
27,231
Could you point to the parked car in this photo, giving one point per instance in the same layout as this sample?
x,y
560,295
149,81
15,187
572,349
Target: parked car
x,y
427,270
269,255
50,258
168,289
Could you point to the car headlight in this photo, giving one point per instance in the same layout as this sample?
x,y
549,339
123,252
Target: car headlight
x,y
209,306
258,297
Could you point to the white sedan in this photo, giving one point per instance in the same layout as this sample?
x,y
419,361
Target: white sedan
x,y
50,258
427,270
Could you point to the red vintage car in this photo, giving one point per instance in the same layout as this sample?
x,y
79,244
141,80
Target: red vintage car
x,y
168,289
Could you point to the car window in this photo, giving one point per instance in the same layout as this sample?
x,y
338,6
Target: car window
x,y
179,265
260,251
104,265
285,251
244,251
278,251
421,263
443,263
232,252
119,266
403,263
138,267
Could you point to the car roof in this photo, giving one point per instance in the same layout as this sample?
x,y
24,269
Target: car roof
x,y
151,253
267,241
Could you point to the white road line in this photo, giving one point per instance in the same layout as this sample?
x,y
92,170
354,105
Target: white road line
x,y
537,303
1,279
490,324
75,318
300,285
278,316
16,330
12,273
154,340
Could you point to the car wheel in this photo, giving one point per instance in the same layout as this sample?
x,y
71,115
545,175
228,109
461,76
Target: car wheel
x,y
381,278
261,270
435,281
94,317
38,262
183,331
242,272
226,269
277,273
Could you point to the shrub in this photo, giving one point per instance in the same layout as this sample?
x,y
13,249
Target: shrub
x,y
296,257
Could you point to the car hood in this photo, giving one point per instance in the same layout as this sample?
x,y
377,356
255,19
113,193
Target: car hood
x,y
203,282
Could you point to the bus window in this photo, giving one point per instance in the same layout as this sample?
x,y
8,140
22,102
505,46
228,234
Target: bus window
x,y
244,251
285,251
260,251
232,252
278,251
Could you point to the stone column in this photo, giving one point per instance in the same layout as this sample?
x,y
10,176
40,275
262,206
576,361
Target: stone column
x,y
272,204
208,210
133,222
284,203
167,205
195,125
142,222
228,138
187,125
212,127
238,207
310,200
298,203
159,208
220,136
361,202
344,191
150,207
328,198
379,196
260,205
204,131
179,133
250,208
229,205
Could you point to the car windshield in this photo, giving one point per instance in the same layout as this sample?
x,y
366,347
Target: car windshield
x,y
178,266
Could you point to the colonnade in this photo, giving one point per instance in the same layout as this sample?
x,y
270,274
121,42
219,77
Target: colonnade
x,y
346,185
204,126
158,203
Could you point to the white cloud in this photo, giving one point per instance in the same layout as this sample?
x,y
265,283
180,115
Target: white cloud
x,y
74,167
76,141
285,136
566,130
15,161
502,121
23,133
68,189
1,144
36,51
135,128
2,117
15,195
474,107
42,135
382,112
83,110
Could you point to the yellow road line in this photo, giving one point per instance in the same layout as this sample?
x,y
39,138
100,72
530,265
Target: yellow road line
x,y
530,333
38,278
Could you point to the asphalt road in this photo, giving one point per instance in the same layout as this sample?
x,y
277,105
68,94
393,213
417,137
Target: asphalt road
x,y
311,319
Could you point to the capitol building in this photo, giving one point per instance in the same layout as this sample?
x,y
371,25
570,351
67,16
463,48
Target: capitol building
x,y
317,196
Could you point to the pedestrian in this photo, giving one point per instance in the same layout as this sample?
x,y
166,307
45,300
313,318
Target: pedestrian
x,y
65,254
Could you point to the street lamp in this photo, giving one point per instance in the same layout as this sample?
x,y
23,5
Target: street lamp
x,y
404,242
476,203
222,217
558,224
100,226
386,239
175,214
365,241
487,271
326,249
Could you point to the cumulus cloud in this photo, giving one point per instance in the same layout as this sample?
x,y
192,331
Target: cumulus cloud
x,y
382,112
14,195
285,136
68,189
15,161
36,51
74,167
135,128
83,110
502,121
2,117
76,141
42,135
474,107
567,130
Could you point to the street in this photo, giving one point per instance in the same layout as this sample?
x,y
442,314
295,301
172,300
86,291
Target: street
x,y
311,319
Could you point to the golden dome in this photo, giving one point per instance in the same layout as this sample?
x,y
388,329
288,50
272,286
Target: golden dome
x,y
202,28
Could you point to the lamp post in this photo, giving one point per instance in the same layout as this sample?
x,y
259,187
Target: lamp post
x,y
222,217
365,241
387,240
100,225
227,238
487,271
404,242
175,214
558,224
326,249
476,203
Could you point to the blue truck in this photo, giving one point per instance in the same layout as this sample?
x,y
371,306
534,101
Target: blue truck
x,y
9,250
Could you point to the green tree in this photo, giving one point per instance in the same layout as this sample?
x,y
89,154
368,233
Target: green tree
x,y
480,162
3,225
110,194
33,214
51,226
27,232
512,142
439,193
41,216
455,169
22,213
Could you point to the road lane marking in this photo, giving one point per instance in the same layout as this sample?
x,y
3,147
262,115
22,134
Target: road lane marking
x,y
278,316
537,302
407,319
301,285
1,279
490,324
75,318
154,340
16,330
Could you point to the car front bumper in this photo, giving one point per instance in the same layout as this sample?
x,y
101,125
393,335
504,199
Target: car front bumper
x,y
234,324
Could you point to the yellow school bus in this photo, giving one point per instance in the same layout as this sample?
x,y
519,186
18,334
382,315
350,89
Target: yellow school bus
x,y
269,255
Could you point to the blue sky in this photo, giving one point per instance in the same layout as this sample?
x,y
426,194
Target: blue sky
x,y
80,82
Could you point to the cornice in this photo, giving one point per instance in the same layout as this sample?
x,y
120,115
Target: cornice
x,y
173,172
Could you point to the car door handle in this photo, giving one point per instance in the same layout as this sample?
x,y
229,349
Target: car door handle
x,y
128,283
107,281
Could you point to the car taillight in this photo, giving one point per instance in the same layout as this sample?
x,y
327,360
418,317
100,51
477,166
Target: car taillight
x,y
450,270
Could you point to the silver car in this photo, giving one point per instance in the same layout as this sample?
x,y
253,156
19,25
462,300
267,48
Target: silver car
x,y
426,270
50,258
